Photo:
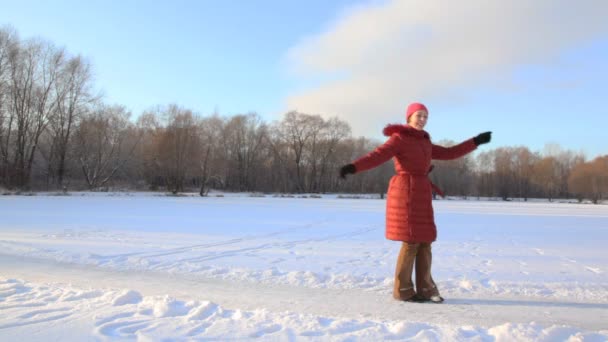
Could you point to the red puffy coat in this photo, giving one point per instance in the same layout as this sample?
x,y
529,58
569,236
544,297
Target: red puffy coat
x,y
409,209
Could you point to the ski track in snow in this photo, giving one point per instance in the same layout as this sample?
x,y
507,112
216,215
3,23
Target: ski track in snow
x,y
297,273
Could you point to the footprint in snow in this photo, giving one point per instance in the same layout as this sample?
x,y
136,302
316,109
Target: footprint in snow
x,y
36,320
198,329
266,331
113,318
122,329
127,297
36,313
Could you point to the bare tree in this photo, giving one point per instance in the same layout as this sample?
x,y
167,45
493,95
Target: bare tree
x,y
567,161
9,45
73,92
146,152
211,162
296,132
177,146
244,137
523,164
102,145
34,71
505,177
590,180
485,174
333,132
304,151
311,151
546,176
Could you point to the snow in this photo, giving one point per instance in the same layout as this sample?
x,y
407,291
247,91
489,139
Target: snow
x,y
139,266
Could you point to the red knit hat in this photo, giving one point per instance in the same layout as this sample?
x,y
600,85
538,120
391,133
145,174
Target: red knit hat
x,y
413,108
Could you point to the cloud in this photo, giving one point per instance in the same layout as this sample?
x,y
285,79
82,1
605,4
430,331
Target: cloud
x,y
376,58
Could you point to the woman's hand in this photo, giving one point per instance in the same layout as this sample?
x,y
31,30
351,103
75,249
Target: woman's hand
x,y
346,169
483,138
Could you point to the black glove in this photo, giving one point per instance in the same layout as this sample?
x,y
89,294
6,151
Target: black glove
x,y
483,138
346,169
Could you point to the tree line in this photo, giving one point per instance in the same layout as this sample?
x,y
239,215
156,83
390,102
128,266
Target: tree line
x,y
56,133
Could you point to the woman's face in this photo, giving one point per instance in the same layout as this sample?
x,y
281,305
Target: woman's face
x,y
418,119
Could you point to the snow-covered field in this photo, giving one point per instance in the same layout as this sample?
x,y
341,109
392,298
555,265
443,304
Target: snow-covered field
x,y
146,267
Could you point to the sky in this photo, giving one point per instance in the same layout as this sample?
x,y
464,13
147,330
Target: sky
x,y
533,73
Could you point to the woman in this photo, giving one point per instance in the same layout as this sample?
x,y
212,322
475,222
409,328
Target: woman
x,y
409,210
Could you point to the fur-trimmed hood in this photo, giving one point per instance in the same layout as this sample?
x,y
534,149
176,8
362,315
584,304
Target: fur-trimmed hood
x,y
391,129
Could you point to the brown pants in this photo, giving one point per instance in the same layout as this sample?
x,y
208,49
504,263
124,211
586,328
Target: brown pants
x,y
418,256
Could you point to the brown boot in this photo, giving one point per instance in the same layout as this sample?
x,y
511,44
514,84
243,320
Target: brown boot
x,y
425,286
404,288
